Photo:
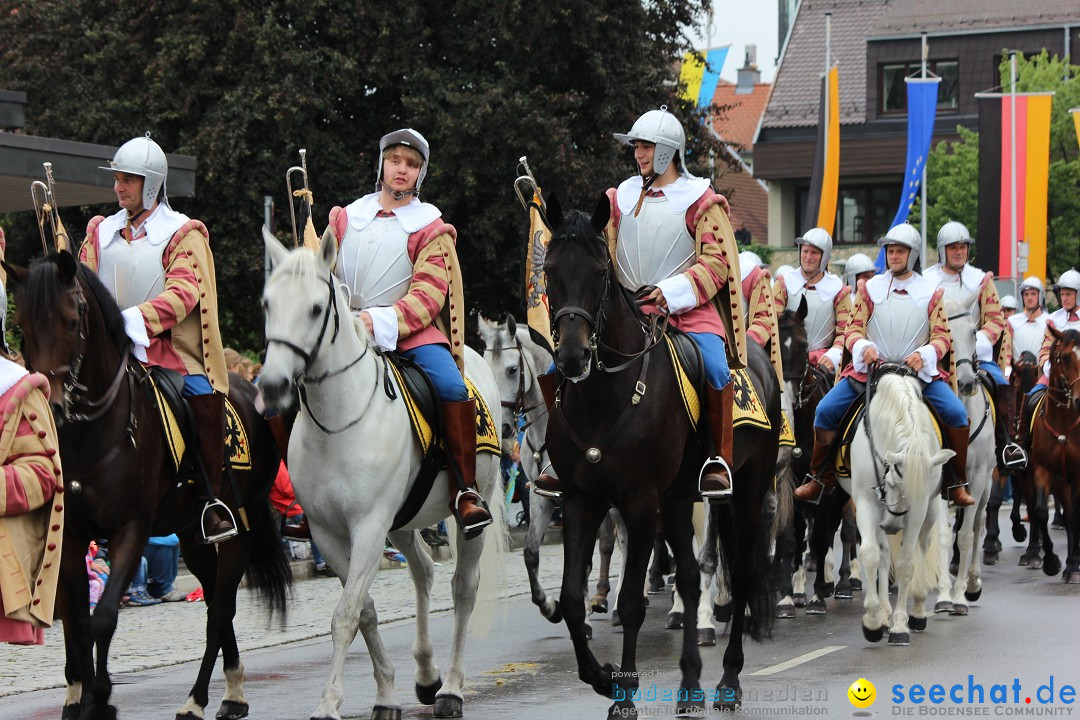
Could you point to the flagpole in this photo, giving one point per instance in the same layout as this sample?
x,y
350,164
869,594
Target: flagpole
x,y
922,183
1012,172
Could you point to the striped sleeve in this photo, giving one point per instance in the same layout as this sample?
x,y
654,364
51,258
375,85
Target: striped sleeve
x,y
842,312
707,275
993,319
181,293
759,310
429,285
780,296
29,481
1047,343
857,319
940,339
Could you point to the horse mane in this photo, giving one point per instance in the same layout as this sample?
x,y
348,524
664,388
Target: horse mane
x,y
110,311
896,407
43,286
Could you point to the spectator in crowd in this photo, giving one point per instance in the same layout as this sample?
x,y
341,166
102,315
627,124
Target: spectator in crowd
x,y
295,526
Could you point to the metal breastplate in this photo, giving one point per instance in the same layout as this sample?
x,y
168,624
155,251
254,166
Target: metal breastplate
x,y
132,271
820,322
1028,337
955,290
898,326
374,263
653,246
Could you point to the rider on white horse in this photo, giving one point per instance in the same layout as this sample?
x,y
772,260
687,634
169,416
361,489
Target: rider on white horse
x,y
398,259
662,236
827,303
158,265
898,317
1067,317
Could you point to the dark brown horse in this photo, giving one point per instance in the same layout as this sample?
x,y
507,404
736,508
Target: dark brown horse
x,y
121,484
1054,466
618,437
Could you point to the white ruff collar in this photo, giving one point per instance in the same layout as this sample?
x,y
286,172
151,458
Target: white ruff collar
x,y
160,226
918,288
10,374
827,287
412,217
680,194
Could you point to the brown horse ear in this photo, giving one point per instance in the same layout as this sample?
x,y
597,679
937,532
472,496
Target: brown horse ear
x,y
68,267
511,325
1058,335
15,272
601,214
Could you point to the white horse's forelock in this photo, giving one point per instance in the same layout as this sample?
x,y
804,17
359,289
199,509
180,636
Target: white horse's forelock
x,y
903,426
304,273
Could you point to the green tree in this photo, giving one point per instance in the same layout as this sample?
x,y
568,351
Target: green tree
x,y
243,85
952,180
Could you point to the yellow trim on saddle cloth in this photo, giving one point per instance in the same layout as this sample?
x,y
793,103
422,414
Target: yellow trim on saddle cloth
x,y
1035,413
747,408
236,440
174,439
843,454
787,437
687,391
487,436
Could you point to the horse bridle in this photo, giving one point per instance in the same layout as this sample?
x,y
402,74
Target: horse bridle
x,y
880,480
1064,389
517,405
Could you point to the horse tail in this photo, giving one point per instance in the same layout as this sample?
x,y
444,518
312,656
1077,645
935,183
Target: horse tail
x,y
784,492
742,546
268,570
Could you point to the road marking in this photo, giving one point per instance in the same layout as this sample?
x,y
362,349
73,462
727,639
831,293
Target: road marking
x,y
772,670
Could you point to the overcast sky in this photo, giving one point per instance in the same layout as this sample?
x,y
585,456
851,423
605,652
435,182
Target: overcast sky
x,y
743,22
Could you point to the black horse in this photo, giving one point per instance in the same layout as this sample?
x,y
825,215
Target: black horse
x,y
618,437
121,484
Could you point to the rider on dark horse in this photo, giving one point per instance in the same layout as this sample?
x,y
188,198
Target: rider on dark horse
x,y
397,257
662,241
958,278
759,312
827,302
1067,317
885,325
158,265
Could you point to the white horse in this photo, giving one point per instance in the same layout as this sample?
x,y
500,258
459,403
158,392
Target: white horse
x,y
353,461
980,460
895,482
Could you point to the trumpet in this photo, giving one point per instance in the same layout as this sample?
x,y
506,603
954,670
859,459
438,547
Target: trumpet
x,y
306,198
527,180
45,205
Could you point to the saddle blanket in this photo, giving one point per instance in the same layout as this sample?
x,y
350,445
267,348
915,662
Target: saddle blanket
x,y
487,435
237,449
855,414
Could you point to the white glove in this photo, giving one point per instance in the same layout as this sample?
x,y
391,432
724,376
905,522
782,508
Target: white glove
x,y
135,327
984,349
679,294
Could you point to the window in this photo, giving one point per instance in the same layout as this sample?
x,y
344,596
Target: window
x,y
892,90
863,212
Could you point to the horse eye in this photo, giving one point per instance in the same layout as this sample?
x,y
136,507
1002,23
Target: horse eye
x,y
72,325
511,371
316,311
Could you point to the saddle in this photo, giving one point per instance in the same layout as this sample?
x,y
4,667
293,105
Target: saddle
x,y
425,418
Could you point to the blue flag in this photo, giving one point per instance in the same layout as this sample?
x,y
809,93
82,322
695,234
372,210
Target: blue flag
x,y
714,63
922,108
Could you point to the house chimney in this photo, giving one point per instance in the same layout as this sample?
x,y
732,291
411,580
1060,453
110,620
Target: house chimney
x,y
749,75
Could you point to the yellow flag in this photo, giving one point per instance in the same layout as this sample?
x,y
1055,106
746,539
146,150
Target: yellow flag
x,y
537,312
1076,121
690,77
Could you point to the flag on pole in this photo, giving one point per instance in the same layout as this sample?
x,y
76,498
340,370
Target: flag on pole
x,y
997,250
921,111
537,311
698,78
1075,112
825,180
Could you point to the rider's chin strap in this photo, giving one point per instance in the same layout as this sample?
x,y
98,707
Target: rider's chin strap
x,y
402,194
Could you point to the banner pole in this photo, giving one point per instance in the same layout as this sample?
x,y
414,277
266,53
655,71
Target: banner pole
x,y
922,182
1012,171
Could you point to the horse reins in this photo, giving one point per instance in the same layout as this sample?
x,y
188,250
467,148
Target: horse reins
x,y
879,480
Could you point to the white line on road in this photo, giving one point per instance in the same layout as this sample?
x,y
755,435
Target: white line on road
x,y
773,669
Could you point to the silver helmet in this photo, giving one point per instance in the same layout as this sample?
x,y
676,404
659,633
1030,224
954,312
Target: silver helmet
x,y
410,138
1033,283
904,234
1068,280
1008,302
856,264
143,157
951,233
666,132
820,239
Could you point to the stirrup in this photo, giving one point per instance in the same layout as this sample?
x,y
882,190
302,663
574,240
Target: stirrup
x,y
723,494
1014,457
552,494
472,530
812,478
220,537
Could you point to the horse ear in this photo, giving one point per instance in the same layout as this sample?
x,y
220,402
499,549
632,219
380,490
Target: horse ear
x,y
511,325
1058,335
68,267
15,272
328,249
970,300
553,211
601,213
275,251
803,309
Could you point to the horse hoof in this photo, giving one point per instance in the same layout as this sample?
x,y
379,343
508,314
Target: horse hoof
x,y
706,637
899,639
615,620
588,631
973,595
1024,560
385,712
690,708
645,600
231,710
426,693
942,607
675,621
917,624
622,709
799,599
556,614
728,699
990,559
785,611
1019,533
599,605
1057,525
1051,565
446,706
992,546
843,590
874,635
722,613
811,564
856,585
958,609
1072,578
71,712
816,606
827,591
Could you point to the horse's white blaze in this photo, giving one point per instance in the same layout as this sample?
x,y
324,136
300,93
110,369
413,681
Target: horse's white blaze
x,y
74,693
191,708
234,685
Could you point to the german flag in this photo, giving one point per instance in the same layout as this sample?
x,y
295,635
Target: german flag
x,y
825,180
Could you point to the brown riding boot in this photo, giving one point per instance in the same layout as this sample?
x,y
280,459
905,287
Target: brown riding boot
x,y
546,484
714,482
548,388
465,502
822,475
281,431
956,439
209,411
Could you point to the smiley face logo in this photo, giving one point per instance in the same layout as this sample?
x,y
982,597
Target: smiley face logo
x,y
862,693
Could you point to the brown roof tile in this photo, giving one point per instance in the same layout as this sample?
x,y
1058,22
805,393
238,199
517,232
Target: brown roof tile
x,y
749,202
936,17
738,125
